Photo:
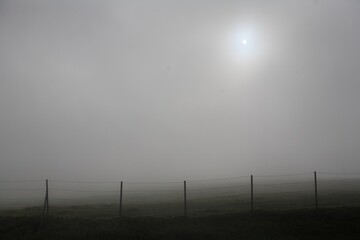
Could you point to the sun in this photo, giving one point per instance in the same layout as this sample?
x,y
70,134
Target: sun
x,y
242,45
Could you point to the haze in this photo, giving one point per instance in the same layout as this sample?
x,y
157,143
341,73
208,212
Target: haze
x,y
164,90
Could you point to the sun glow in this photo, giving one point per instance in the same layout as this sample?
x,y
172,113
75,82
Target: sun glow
x,y
243,53
242,44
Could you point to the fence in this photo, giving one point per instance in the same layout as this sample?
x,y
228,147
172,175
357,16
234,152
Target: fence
x,y
194,197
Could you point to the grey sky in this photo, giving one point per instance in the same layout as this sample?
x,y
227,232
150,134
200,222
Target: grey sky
x,y
161,90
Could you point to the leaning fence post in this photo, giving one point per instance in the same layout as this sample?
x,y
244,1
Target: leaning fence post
x,y
121,195
252,192
47,197
185,207
316,191
46,201
46,205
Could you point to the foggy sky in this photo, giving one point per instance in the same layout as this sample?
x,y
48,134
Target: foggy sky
x,y
143,90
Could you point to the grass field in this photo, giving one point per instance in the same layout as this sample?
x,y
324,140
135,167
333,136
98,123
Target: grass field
x,y
222,199
282,211
334,223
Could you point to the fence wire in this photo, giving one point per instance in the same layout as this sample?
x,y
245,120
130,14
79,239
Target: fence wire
x,y
202,195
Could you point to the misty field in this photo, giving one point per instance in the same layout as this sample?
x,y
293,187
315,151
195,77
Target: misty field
x,y
170,119
201,206
102,200
196,207
283,209
334,223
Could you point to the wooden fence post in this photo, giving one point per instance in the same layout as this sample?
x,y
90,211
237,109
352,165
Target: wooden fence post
x,y
316,191
185,207
252,192
121,195
46,201
45,211
47,197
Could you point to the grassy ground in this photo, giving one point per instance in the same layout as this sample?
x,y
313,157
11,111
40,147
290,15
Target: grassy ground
x,y
219,215
334,223
200,206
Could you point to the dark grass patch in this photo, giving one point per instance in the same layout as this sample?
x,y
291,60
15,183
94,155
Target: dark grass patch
x,y
334,223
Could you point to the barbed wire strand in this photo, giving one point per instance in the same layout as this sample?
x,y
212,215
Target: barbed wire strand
x,y
303,191
157,190
337,181
22,189
149,183
85,182
284,183
22,199
333,173
175,182
18,181
79,190
215,188
283,175
218,179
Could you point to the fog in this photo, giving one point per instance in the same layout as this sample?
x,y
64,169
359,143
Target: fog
x,y
165,90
